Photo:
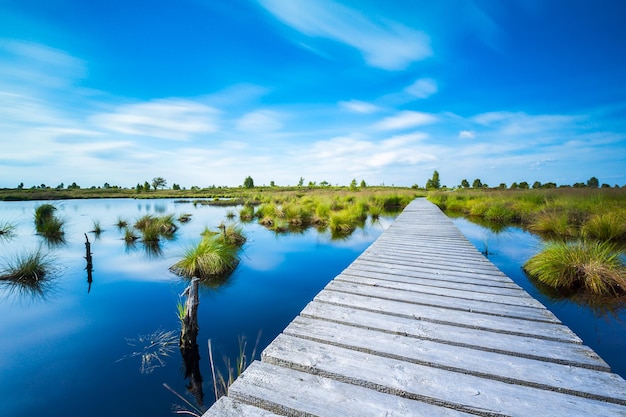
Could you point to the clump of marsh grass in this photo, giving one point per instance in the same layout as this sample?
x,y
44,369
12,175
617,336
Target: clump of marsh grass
x,y
152,228
28,272
246,213
341,222
130,236
605,227
232,235
552,223
121,223
47,224
209,259
593,267
97,228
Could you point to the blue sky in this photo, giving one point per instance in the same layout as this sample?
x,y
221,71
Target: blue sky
x,y
207,92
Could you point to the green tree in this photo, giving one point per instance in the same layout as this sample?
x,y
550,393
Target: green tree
x,y
593,182
20,186
523,185
146,186
175,186
362,184
300,182
272,184
502,186
477,183
434,182
248,182
353,184
536,184
465,183
158,182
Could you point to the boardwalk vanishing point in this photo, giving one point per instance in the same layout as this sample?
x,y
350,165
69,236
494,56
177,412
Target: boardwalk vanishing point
x,y
422,324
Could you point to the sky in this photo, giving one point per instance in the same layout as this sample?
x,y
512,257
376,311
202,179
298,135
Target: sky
x,y
208,92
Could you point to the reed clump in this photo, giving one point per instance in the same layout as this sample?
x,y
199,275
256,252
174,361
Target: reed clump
x,y
586,266
210,258
47,224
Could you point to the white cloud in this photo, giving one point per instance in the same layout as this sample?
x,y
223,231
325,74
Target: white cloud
x,y
38,65
357,106
176,119
466,134
259,121
422,88
385,45
405,119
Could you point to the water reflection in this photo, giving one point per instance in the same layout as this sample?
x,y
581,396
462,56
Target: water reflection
x,y
152,349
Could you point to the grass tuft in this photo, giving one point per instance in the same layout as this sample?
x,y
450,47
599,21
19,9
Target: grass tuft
x,y
593,267
210,258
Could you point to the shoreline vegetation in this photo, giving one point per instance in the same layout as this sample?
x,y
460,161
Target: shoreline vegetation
x,y
585,231
573,220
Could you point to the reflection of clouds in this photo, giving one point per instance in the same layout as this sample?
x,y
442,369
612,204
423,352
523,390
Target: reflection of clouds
x,y
263,262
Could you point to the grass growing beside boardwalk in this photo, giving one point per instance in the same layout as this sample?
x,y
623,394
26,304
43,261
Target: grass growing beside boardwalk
x,y
555,213
590,266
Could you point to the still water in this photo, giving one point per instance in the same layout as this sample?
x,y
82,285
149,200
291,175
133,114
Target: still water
x,y
107,347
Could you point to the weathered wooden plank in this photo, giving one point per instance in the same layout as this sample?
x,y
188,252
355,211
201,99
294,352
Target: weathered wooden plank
x,y
486,279
499,324
572,380
517,300
293,393
523,346
227,407
424,383
425,281
461,304
432,274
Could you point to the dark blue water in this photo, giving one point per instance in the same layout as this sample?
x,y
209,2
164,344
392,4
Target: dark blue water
x,y
601,328
92,350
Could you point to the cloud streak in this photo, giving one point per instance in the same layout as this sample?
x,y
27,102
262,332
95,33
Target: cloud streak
x,y
386,45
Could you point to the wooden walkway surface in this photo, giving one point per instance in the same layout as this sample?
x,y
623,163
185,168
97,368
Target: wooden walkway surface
x,y
421,324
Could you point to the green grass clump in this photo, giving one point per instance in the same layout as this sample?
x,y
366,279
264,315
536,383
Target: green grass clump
x,y
593,267
28,273
232,235
499,213
210,258
605,226
47,224
553,224
341,222
121,223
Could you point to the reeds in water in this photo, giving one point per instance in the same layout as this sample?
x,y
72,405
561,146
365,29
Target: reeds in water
x,y
28,272
47,224
208,259
587,266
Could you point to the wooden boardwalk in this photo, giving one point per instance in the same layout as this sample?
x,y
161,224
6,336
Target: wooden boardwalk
x,y
421,324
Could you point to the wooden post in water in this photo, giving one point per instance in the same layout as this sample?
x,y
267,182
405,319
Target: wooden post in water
x,y
188,343
89,267
189,330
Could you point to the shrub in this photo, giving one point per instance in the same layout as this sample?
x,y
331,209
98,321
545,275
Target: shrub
x,y
588,266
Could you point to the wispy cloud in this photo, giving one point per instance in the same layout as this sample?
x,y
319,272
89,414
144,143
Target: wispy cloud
x,y
405,119
422,88
38,65
386,45
259,121
357,106
466,134
176,119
